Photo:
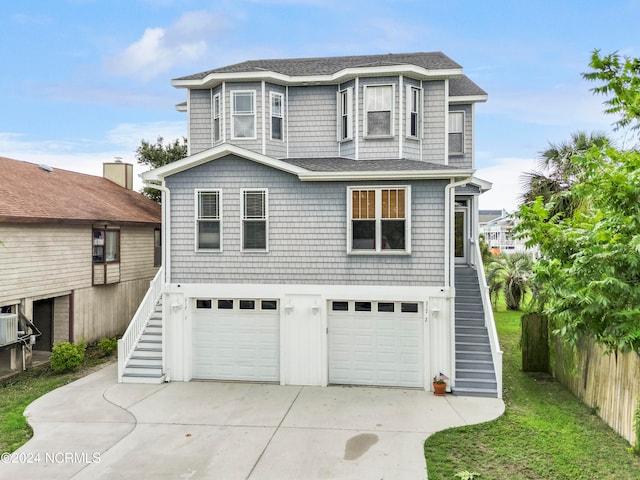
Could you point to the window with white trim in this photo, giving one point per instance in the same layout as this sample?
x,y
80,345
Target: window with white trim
x,y
276,116
413,112
379,220
456,133
217,124
243,113
208,223
379,110
345,114
254,220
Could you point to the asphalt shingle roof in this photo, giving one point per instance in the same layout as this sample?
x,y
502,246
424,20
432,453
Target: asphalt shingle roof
x,y
30,194
463,86
330,65
341,164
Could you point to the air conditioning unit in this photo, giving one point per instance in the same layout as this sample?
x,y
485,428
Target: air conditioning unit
x,y
8,328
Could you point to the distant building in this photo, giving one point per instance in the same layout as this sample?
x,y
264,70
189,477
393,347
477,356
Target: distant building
x,y
497,228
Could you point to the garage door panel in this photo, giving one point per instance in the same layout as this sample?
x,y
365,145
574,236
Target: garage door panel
x,y
236,344
376,347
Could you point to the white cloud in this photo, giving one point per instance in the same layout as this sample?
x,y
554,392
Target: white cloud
x,y
505,175
160,49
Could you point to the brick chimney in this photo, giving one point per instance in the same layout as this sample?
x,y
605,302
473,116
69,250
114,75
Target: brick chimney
x,y
119,173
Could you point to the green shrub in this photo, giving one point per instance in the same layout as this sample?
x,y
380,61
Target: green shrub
x,y
67,356
107,346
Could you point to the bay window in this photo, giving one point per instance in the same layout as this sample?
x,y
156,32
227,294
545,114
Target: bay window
x,y
276,116
379,111
456,133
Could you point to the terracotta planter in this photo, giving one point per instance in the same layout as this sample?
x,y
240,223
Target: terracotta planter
x,y
439,389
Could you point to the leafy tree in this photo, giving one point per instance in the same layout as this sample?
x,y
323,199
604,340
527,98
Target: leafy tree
x,y
156,155
621,77
511,272
589,265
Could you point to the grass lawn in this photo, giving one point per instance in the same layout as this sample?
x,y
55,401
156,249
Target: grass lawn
x,y
20,390
545,433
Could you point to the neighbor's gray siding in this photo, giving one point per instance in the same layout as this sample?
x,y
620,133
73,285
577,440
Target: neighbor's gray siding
x,y
307,232
433,145
312,121
466,159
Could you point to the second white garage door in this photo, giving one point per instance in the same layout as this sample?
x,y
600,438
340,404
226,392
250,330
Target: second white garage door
x,y
236,339
376,343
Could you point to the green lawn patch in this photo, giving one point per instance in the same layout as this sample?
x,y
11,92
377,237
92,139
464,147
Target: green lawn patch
x,y
545,432
20,390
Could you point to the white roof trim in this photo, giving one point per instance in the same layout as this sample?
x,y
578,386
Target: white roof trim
x,y
467,99
483,185
214,78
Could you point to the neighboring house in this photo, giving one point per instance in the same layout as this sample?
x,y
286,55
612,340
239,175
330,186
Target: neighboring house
x,y
497,228
77,254
313,232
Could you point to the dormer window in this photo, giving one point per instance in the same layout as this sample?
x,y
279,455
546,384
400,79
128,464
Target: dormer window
x,y
379,108
244,121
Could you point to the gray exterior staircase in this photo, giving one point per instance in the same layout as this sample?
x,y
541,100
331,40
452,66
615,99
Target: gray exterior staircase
x,y
145,363
475,373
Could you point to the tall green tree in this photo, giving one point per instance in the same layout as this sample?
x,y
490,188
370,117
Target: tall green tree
x,y
158,154
589,265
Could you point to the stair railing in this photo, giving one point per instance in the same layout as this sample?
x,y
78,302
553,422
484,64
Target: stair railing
x,y
489,320
129,340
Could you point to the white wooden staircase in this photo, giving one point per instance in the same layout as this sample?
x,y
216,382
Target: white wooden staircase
x,y
140,358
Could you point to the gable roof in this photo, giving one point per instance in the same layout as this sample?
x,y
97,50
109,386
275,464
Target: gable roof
x,y
318,169
30,193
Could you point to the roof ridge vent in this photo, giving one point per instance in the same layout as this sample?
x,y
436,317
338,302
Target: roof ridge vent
x,y
46,168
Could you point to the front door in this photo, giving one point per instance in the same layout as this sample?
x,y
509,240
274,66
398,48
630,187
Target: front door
x,y
304,340
460,243
43,320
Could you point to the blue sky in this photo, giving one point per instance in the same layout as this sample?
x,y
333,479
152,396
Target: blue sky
x,y
83,81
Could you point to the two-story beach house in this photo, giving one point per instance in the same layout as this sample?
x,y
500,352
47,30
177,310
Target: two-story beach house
x,y
77,253
322,230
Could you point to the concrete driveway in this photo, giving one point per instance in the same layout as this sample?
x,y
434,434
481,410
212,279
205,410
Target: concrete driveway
x,y
96,428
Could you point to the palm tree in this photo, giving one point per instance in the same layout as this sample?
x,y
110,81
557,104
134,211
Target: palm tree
x,y
512,273
556,172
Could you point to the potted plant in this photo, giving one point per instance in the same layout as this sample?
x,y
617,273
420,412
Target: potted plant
x,y
439,385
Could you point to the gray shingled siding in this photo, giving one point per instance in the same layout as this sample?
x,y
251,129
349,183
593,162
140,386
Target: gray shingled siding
x,y
465,160
199,120
312,127
307,232
434,122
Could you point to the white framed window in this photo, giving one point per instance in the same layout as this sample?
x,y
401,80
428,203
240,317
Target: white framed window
x,y
277,123
414,110
345,114
456,133
378,110
217,123
208,222
243,113
379,219
254,220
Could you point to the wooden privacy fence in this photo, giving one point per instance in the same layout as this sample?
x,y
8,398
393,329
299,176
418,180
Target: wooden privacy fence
x,y
610,383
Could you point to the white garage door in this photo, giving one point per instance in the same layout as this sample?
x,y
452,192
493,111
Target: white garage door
x,y
235,339
376,343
